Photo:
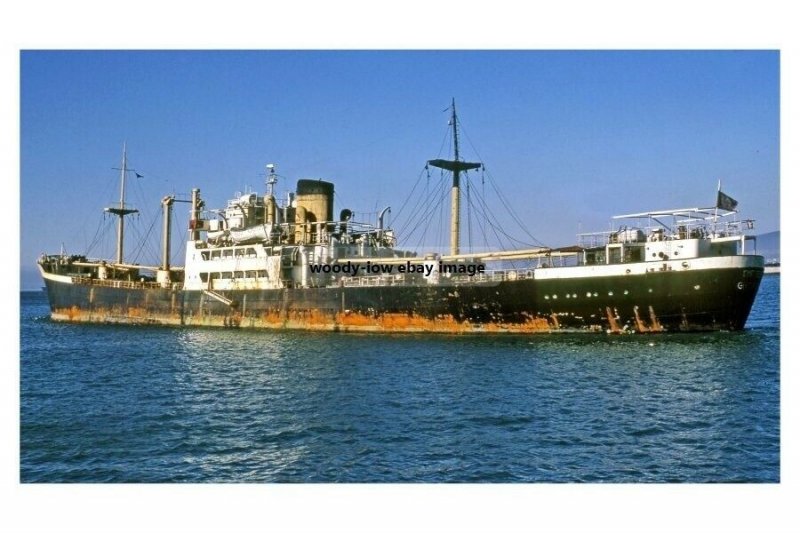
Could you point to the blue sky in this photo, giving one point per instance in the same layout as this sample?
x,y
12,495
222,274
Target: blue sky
x,y
571,138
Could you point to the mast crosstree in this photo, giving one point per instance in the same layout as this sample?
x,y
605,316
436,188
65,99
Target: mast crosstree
x,y
121,210
456,166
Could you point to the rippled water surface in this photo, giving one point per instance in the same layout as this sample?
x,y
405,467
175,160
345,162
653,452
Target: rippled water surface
x,y
140,404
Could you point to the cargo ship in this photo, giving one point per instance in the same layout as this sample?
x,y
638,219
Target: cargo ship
x,y
261,262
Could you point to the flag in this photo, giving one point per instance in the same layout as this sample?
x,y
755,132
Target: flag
x,y
726,202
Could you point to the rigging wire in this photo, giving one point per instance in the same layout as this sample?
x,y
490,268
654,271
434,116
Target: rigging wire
x,y
143,241
425,170
99,234
480,222
497,225
498,191
419,217
511,211
425,218
421,209
101,237
414,188
425,207
494,227
495,231
427,194
435,202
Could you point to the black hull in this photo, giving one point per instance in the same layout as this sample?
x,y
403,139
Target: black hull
x,y
697,300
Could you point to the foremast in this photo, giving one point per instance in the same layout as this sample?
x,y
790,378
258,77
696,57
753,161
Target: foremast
x,y
121,210
456,166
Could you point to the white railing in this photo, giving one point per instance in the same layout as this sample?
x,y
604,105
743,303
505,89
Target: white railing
x,y
680,229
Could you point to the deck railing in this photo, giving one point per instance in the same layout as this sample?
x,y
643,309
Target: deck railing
x,y
121,284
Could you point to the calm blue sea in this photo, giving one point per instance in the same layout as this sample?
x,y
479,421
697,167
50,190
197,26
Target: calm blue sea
x,y
141,404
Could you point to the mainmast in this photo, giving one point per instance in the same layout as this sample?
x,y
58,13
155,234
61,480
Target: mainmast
x,y
121,211
455,166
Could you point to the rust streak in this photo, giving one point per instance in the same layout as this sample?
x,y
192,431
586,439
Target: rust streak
x,y
612,321
641,327
655,325
306,319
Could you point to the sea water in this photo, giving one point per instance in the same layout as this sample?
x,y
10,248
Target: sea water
x,y
148,404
